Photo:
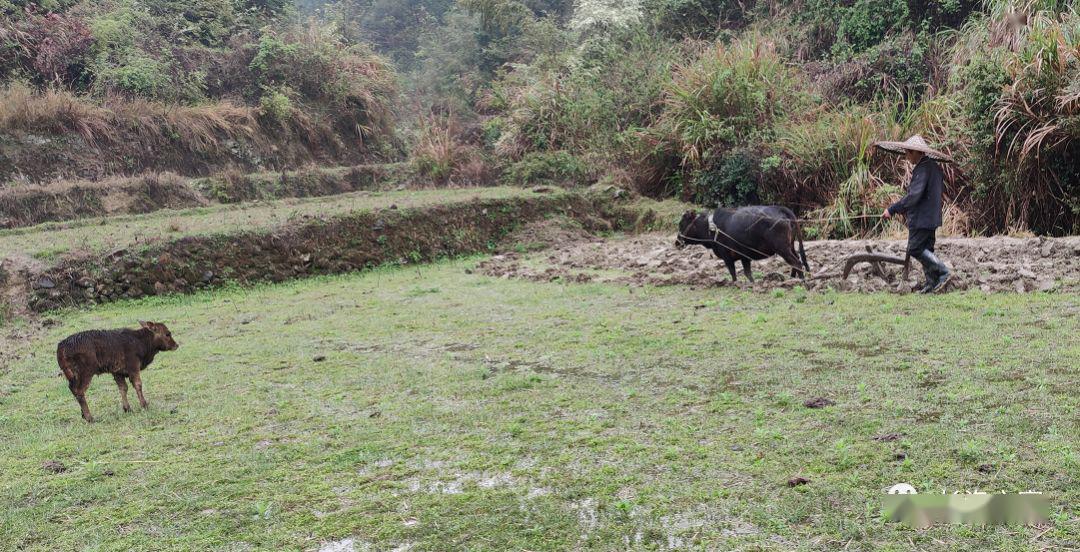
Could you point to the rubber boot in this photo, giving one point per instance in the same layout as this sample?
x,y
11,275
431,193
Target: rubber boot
x,y
942,273
931,278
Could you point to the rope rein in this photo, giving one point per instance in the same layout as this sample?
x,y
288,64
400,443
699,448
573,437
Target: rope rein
x,y
699,241
830,219
716,232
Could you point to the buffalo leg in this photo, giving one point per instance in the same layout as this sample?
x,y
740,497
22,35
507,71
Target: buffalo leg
x,y
136,380
796,265
746,270
731,269
122,384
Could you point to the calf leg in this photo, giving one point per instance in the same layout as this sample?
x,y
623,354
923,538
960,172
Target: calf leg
x,y
746,270
78,388
136,380
122,384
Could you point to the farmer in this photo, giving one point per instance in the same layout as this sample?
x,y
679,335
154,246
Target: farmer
x,y
921,207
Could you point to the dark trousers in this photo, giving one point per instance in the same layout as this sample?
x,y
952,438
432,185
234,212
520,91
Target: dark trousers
x,y
919,240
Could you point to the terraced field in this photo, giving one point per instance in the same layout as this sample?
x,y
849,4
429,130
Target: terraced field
x,y
111,233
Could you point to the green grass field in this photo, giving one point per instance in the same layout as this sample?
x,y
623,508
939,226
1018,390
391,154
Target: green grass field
x,y
459,412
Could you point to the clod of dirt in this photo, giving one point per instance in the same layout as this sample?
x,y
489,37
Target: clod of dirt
x,y
797,481
819,402
888,437
53,466
319,358
899,456
985,468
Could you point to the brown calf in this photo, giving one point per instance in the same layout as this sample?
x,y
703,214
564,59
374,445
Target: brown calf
x,y
122,353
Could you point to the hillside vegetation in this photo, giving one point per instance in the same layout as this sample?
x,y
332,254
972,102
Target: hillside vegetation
x,y
120,86
741,102
710,101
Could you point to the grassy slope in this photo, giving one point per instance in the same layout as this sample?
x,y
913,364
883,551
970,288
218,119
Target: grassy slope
x,y
455,411
113,232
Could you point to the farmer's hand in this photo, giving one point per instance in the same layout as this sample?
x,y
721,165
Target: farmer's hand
x,y
886,214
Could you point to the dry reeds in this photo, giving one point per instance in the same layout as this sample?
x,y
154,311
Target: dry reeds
x,y
440,154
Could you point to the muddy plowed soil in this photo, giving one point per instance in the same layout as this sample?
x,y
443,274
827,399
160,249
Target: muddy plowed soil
x,y
997,264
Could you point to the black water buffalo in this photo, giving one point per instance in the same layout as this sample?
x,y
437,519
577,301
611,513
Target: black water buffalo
x,y
746,234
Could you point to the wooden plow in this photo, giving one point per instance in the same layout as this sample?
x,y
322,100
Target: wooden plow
x,y
876,260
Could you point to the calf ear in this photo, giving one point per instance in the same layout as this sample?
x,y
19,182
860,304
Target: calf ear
x,y
146,324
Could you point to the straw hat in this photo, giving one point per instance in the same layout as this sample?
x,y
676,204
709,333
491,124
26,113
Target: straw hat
x,y
915,143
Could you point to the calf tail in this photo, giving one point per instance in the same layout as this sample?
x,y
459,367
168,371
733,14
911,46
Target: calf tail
x,y
802,250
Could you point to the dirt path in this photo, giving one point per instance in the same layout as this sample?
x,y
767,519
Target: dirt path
x,y
998,264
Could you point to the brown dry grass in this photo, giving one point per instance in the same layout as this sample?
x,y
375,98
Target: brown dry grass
x,y
139,126
442,153
199,128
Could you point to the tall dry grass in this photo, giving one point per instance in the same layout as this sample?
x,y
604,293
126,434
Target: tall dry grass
x,y
441,155
137,126
1035,45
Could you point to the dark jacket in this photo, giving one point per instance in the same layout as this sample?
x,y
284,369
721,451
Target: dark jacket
x,y
922,204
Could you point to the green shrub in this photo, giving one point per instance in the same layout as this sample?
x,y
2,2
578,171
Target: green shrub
x,y
733,180
898,64
730,95
980,85
276,104
696,18
584,104
556,167
207,22
351,83
867,22
274,59
139,75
